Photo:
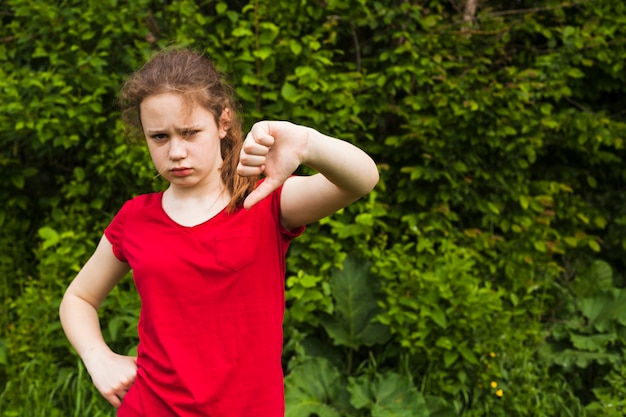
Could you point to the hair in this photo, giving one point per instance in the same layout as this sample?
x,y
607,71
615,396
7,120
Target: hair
x,y
196,79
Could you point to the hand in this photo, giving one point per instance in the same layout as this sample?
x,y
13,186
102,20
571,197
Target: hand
x,y
112,374
275,149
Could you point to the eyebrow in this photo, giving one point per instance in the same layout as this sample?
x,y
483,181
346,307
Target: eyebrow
x,y
178,129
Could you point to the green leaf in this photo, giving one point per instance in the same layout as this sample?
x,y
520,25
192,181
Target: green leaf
x,y
295,47
49,236
595,246
569,357
438,316
242,32
494,208
312,388
540,246
360,391
438,407
467,354
387,395
601,274
263,53
594,343
289,92
356,307
18,181
221,7
114,326
269,32
449,357
79,173
603,309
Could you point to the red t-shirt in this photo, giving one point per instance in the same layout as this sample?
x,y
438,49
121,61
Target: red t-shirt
x,y
210,328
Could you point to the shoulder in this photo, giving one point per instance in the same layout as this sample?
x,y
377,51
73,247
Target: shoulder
x,y
137,206
146,199
142,201
130,219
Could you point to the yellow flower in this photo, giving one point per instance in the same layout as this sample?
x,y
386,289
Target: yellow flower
x,y
494,384
492,354
499,393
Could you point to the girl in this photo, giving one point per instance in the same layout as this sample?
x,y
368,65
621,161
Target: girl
x,y
207,253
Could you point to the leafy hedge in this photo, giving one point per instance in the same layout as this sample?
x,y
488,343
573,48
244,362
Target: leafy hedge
x,y
483,276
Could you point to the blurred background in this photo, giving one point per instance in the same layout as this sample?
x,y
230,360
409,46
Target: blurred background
x,y
484,276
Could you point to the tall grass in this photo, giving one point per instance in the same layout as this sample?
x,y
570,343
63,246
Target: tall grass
x,y
60,392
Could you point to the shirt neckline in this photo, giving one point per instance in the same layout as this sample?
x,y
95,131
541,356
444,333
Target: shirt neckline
x,y
182,226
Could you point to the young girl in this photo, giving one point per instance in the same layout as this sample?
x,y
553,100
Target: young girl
x,y
208,253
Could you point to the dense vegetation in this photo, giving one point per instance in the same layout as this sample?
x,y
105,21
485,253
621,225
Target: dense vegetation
x,y
482,277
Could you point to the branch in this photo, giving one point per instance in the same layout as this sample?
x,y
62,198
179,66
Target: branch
x,y
469,13
357,47
485,16
538,9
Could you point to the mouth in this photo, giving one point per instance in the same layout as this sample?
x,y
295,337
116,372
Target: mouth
x,y
180,172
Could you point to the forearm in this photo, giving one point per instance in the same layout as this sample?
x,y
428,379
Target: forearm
x,y
277,148
346,166
112,374
81,325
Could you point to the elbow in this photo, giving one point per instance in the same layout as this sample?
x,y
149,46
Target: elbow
x,y
373,176
368,179
63,307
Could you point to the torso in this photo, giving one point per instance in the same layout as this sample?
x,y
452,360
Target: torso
x,y
212,308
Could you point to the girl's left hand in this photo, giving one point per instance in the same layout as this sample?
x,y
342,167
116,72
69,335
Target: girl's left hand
x,y
275,149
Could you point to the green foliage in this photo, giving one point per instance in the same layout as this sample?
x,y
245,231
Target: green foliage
x,y
490,253
587,341
387,395
611,398
357,377
314,388
441,312
355,308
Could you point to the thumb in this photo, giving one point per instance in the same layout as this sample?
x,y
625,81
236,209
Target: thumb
x,y
263,190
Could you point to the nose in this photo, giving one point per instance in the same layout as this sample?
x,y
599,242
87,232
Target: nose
x,y
178,149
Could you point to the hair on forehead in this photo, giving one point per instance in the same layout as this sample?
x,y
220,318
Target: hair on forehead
x,y
188,73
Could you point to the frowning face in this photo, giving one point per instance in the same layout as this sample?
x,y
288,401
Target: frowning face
x,y
183,139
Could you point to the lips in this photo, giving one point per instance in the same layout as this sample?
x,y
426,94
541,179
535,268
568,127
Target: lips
x,y
180,172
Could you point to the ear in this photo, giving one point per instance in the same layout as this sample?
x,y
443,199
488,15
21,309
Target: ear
x,y
224,122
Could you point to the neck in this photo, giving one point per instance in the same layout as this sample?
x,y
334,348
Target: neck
x,y
198,192
190,207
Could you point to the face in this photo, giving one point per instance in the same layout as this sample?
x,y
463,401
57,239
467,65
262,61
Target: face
x,y
183,140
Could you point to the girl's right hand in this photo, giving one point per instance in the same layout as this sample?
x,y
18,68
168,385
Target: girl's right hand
x,y
111,373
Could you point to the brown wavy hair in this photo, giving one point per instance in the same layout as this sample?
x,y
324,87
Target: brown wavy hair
x,y
196,79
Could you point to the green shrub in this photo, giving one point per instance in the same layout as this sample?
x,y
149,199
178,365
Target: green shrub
x,y
499,139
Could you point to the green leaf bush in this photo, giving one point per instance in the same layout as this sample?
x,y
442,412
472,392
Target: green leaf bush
x,y
484,274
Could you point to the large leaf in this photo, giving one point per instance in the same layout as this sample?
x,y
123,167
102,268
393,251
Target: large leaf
x,y
387,395
314,388
352,324
602,310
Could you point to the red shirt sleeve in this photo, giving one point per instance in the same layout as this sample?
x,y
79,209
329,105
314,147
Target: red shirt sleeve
x,y
115,231
288,235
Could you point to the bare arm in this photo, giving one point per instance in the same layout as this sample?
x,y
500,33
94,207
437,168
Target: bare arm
x,y
111,373
345,172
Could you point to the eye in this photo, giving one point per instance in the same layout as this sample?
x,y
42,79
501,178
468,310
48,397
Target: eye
x,y
159,137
